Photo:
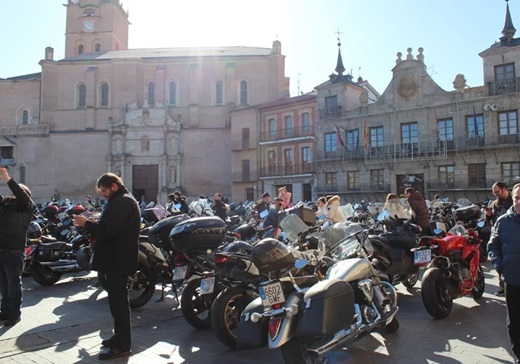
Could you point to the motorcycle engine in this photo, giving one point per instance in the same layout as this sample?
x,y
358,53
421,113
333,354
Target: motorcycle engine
x,y
369,314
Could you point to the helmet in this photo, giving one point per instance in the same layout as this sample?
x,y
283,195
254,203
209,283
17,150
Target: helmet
x,y
34,231
83,257
271,255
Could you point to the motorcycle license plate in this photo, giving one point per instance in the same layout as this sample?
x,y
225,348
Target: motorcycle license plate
x,y
207,285
422,256
179,273
271,294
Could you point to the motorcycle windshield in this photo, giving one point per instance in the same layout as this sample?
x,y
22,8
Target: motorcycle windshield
x,y
292,225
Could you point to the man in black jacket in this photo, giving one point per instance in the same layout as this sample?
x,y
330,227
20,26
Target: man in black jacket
x,y
115,256
16,212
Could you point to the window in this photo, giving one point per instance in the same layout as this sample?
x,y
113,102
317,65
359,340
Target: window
x,y
245,138
352,141
173,93
376,136
353,180
511,173
243,92
445,131
331,106
246,175
289,126
272,128
377,178
250,194
475,130
505,72
306,123
306,159
288,160
23,174
151,94
507,127
331,142
447,176
6,156
25,117
82,96
218,93
409,133
97,47
103,94
477,175
80,49
271,162
330,179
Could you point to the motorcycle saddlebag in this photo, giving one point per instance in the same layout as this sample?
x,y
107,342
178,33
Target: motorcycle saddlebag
x,y
468,213
50,251
159,233
206,232
328,307
252,335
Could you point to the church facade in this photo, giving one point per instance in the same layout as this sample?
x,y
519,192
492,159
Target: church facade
x,y
159,118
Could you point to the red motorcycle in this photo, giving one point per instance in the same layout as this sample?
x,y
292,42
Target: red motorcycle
x,y
452,269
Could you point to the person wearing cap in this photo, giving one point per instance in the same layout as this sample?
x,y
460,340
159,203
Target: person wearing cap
x,y
16,212
270,222
263,204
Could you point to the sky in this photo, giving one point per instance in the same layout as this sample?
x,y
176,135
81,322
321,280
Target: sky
x,y
451,32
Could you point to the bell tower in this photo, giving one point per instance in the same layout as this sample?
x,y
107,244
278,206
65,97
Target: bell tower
x,y
95,26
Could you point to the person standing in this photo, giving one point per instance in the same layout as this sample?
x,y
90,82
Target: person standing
x,y
263,205
219,206
495,209
16,212
115,256
419,208
504,251
285,196
333,210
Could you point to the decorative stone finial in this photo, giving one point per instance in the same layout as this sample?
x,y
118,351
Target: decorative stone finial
x,y
409,55
398,60
420,56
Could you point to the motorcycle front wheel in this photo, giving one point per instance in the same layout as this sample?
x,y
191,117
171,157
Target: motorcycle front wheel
x,y
196,308
141,287
434,292
226,311
480,284
44,275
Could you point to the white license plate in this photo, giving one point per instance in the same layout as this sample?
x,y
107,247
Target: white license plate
x,y
422,256
179,273
207,285
271,294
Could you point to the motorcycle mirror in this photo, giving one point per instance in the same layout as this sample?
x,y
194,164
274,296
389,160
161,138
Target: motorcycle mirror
x,y
481,224
326,224
301,263
437,231
64,233
357,206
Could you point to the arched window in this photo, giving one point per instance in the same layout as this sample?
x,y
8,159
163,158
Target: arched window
x,y
23,176
80,49
97,47
173,93
151,94
25,117
243,92
82,96
103,94
218,93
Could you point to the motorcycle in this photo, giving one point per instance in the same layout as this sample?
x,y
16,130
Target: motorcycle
x,y
452,269
307,320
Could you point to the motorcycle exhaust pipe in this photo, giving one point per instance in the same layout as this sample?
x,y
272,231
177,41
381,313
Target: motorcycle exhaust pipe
x,y
65,268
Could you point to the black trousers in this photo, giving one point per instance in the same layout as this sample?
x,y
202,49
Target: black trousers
x,y
11,266
512,294
119,308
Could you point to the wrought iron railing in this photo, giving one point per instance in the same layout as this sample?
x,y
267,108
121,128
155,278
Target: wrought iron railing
x,y
289,169
288,133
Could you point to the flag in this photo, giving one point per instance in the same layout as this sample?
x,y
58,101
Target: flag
x,y
338,137
366,135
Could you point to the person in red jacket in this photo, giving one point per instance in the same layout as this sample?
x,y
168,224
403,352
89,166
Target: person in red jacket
x,y
16,212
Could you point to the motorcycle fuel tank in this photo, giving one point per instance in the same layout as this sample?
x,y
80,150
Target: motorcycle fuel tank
x,y
349,270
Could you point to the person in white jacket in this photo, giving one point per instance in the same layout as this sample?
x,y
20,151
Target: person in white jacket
x,y
333,210
395,208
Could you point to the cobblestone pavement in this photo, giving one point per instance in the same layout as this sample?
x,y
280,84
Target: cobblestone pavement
x,y
64,323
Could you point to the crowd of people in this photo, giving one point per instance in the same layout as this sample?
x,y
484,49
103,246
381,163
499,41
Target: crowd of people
x,y
118,230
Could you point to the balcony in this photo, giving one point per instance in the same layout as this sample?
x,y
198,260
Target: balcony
x,y
339,189
330,113
284,134
460,186
237,145
504,87
347,153
293,169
